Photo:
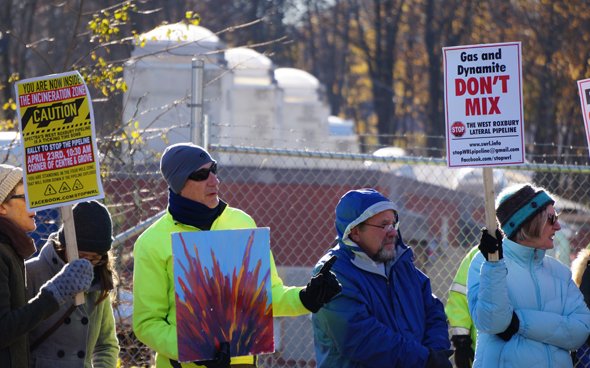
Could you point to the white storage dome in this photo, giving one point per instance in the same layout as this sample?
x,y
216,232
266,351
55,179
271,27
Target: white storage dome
x,y
249,66
244,58
179,39
297,84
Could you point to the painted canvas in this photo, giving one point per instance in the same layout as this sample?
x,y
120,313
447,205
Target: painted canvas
x,y
223,292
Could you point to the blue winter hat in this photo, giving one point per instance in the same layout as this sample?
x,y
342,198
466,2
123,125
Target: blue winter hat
x,y
179,161
355,207
518,204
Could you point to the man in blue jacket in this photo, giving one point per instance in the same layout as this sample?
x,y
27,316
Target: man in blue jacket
x,y
386,314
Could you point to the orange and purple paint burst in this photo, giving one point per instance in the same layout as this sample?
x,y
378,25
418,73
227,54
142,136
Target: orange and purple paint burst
x,y
223,292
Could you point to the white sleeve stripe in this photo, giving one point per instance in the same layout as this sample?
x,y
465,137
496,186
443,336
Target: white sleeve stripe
x,y
462,289
459,331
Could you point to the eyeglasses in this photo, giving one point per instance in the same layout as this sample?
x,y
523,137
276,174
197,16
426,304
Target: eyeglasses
x,y
203,174
15,196
95,259
387,227
552,218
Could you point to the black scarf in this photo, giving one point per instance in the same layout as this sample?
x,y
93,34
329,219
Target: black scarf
x,y
193,213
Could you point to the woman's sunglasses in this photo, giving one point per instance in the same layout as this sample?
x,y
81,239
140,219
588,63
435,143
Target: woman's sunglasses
x,y
552,218
203,174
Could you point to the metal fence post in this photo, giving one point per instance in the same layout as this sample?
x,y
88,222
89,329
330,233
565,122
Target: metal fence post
x,y
196,104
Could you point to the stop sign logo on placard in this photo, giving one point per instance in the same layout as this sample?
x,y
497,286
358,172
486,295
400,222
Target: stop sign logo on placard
x,y
458,129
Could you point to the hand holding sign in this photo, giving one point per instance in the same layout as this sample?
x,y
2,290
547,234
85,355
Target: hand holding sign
x,y
222,357
75,277
489,244
321,288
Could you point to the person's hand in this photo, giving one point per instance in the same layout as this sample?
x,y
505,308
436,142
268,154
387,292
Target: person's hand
x,y
74,277
489,245
464,353
222,357
512,328
439,359
321,288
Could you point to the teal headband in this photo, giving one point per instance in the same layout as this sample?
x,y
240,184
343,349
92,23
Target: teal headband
x,y
526,212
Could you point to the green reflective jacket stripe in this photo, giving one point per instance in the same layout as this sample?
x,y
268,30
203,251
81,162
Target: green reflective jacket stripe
x,y
456,309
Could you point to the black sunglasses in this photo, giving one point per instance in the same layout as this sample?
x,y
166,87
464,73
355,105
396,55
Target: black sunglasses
x,y
15,196
203,174
552,218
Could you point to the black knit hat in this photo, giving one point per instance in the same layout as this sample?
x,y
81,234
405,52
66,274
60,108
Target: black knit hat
x,y
518,204
94,228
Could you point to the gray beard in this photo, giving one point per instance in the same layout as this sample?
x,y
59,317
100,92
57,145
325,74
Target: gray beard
x,y
383,255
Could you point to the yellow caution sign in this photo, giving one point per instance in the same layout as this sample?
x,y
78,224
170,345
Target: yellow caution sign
x,y
58,138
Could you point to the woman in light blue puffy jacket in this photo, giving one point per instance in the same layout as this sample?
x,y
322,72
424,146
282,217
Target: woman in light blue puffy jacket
x,y
527,310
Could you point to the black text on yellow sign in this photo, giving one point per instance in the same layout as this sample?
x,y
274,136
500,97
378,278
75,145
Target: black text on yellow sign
x,y
56,125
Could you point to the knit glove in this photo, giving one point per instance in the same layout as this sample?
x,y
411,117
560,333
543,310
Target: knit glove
x,y
222,357
489,245
464,353
74,278
321,288
439,359
512,328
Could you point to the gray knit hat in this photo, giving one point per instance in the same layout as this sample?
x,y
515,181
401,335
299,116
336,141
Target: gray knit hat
x,y
10,176
518,204
179,161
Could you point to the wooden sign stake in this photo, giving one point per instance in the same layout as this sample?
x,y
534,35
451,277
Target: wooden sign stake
x,y
491,224
67,216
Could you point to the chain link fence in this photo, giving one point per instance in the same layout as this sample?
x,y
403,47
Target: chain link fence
x,y
295,193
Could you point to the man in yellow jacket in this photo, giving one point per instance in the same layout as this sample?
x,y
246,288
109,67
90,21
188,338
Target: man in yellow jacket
x,y
193,205
462,329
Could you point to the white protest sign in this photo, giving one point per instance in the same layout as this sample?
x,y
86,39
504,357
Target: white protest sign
x,y
584,90
483,105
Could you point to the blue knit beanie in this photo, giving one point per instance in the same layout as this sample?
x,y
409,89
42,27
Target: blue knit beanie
x,y
179,161
355,207
518,204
